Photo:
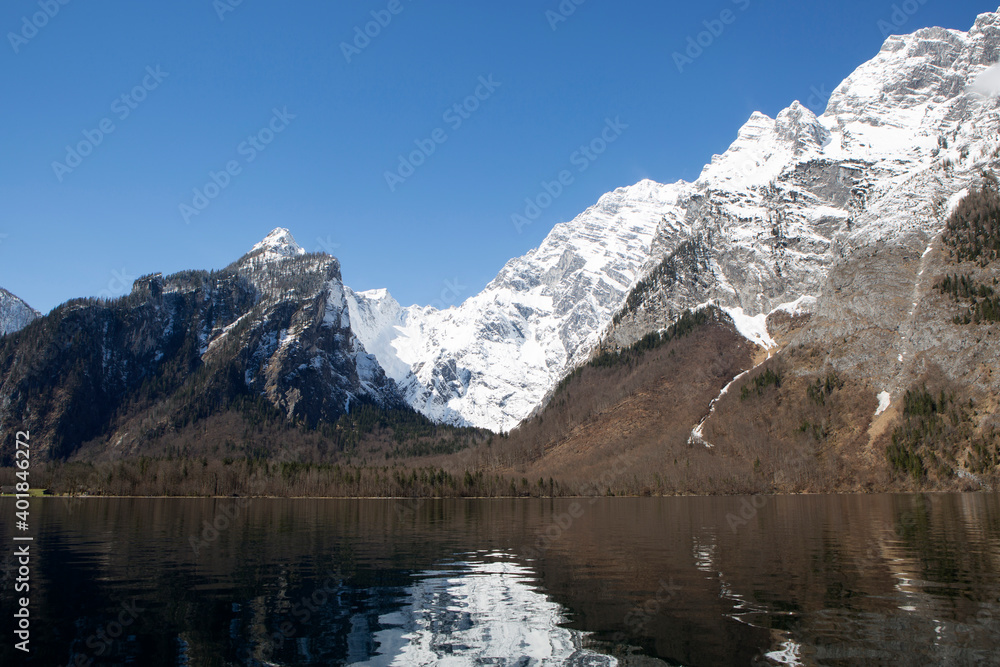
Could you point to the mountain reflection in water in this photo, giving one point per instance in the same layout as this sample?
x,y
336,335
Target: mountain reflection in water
x,y
812,580
480,612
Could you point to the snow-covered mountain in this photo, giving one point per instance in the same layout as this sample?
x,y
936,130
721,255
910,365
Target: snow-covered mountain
x,y
180,348
759,229
303,353
15,314
490,361
766,221
764,226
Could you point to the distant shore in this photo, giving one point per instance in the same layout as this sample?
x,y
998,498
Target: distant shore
x,y
567,497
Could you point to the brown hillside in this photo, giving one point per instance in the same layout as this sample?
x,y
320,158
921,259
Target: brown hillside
x,y
624,428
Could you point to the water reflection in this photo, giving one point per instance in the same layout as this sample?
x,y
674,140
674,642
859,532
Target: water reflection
x,y
481,611
909,579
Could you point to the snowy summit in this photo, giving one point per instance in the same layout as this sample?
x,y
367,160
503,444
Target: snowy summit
x,y
279,244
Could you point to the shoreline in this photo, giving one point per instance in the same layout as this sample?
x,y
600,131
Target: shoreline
x,y
568,497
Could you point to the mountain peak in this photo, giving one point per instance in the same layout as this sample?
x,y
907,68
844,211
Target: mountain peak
x,y
988,18
279,244
379,294
15,314
800,127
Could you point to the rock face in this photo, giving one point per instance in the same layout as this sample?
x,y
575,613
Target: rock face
x,y
297,346
15,314
915,115
763,226
490,361
792,195
274,324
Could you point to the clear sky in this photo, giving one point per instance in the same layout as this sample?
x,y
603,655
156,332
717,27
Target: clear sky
x,y
201,81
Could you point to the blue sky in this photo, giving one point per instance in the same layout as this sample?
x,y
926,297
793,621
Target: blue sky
x,y
308,129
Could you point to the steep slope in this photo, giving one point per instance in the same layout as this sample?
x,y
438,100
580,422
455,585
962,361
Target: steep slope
x,y
376,319
621,421
821,238
15,314
761,228
771,216
883,325
621,424
491,360
297,346
272,326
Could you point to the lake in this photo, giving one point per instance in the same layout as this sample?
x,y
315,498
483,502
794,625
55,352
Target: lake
x,y
831,580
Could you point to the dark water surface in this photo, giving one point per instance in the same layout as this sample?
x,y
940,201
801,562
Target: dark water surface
x,y
907,580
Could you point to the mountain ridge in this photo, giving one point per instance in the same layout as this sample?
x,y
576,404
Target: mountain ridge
x,y
272,326
770,216
809,233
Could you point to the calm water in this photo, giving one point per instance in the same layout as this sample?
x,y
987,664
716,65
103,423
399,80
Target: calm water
x,y
707,581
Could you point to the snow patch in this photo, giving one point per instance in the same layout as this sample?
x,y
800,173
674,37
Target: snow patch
x,y
698,432
884,400
225,332
377,320
801,306
335,306
753,328
956,199
15,314
965,474
987,84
